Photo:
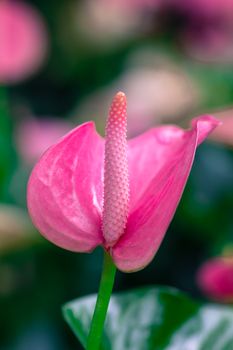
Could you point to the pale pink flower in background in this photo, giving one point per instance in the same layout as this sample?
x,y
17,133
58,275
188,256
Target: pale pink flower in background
x,y
157,86
208,33
224,133
150,80
209,8
215,279
34,136
23,41
16,230
134,5
210,44
87,191
106,23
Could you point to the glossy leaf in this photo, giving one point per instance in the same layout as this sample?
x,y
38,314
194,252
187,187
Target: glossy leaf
x,y
155,319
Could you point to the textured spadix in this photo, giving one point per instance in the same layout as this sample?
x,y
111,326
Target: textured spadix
x,y
79,201
116,179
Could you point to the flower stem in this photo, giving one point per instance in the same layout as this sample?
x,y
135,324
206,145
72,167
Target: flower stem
x,y
101,307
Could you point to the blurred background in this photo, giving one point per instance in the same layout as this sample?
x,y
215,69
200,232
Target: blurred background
x,y
60,64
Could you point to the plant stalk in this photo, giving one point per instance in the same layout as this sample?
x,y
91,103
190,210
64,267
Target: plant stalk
x,y
101,307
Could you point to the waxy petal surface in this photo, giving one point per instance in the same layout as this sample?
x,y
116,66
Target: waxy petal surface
x,y
65,190
148,153
159,164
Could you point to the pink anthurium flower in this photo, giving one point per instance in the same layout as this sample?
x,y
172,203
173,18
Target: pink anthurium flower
x,y
86,191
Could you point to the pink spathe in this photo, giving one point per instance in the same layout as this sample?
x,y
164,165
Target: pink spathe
x,y
84,187
215,278
23,41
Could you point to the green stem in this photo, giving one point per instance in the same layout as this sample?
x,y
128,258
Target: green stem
x,y
101,307
3,103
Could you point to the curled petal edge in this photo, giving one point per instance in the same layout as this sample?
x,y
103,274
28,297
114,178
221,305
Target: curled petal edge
x,y
148,224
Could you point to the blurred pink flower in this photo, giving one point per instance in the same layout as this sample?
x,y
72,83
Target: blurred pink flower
x,y
209,8
224,133
124,20
209,44
23,41
208,33
149,80
215,279
86,191
16,230
156,86
137,5
33,137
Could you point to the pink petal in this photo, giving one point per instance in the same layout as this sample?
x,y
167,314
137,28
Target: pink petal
x,y
147,156
160,162
65,190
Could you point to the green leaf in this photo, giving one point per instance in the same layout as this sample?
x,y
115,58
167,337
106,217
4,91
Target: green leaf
x,y
155,319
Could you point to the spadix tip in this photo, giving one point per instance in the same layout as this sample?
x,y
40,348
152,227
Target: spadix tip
x,y
118,106
119,98
120,94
